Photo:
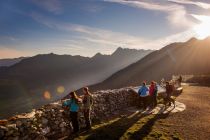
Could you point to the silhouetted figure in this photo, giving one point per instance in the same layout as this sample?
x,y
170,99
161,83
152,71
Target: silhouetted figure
x,y
143,95
87,102
169,91
73,105
180,80
151,93
154,99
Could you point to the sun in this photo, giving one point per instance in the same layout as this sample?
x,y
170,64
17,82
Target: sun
x,y
202,30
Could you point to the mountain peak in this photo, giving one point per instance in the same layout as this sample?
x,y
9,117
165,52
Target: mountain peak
x,y
97,55
119,50
192,40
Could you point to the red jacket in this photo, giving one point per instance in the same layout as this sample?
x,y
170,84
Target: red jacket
x,y
151,90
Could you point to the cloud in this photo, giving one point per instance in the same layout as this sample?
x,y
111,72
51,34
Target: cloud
x,y
197,3
10,38
201,18
53,6
88,33
101,39
87,41
176,13
93,8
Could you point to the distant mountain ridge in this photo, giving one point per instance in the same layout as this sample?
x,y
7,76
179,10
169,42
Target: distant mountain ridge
x,y
28,80
10,61
190,57
52,68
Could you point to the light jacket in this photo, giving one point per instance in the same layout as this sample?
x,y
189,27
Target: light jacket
x,y
87,101
73,106
143,91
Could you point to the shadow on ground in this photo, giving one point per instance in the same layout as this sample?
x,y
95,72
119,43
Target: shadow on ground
x,y
112,130
146,129
134,126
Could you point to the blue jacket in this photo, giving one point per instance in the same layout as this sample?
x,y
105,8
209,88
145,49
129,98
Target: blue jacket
x,y
73,106
143,91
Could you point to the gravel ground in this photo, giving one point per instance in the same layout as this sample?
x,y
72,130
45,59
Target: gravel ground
x,y
194,122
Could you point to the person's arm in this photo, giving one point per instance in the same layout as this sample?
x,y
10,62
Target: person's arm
x,y
66,103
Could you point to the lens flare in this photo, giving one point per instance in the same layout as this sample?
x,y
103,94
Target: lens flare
x,y
47,95
60,89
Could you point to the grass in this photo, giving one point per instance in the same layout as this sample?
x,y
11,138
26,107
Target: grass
x,y
176,136
131,127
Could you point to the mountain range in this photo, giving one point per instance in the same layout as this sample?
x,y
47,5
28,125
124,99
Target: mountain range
x,y
187,58
75,71
28,80
10,61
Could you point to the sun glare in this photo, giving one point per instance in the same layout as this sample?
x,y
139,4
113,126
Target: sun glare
x,y
202,30
47,95
60,89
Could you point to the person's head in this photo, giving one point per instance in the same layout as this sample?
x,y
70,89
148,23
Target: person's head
x,y
144,84
73,95
86,90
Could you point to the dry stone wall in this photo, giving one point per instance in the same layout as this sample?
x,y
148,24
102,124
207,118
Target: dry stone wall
x,y
52,121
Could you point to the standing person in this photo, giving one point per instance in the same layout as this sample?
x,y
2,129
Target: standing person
x,y
169,90
73,104
155,95
151,94
180,80
87,102
143,95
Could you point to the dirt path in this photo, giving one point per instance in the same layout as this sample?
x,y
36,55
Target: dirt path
x,y
194,122
191,124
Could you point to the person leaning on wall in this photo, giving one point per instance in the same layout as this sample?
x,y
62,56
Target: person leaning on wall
x,y
73,105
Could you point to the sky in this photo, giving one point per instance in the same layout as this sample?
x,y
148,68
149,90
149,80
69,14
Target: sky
x,y
85,27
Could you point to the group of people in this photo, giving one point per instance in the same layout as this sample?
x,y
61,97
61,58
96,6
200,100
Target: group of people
x,y
73,104
148,96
